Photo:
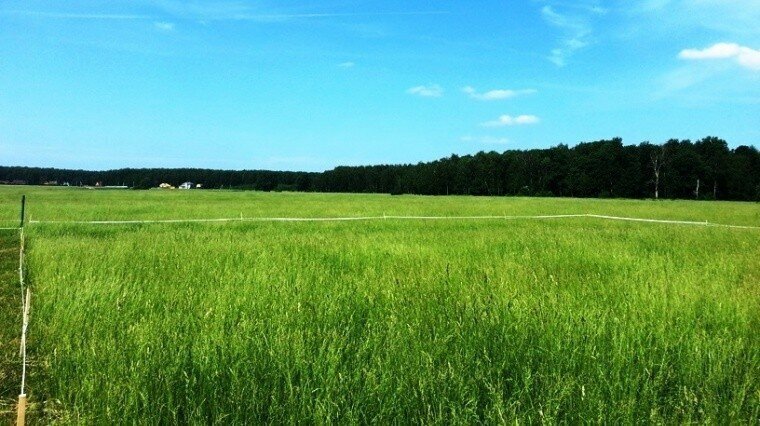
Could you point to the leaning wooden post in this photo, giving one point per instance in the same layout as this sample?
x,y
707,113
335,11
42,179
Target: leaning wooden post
x,y
23,205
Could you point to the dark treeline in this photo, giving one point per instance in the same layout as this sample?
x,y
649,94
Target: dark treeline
x,y
262,180
705,169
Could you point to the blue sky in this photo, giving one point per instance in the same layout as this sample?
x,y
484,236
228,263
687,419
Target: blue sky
x,y
292,85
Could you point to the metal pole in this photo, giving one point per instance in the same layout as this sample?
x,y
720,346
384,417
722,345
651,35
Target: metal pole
x,y
23,206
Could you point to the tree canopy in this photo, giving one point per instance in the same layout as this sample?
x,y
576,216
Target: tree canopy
x,y
705,169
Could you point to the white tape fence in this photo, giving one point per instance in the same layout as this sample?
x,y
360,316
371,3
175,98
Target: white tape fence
x,y
25,306
393,217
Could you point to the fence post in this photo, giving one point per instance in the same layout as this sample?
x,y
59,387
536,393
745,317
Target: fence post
x,y
21,417
23,206
21,413
21,409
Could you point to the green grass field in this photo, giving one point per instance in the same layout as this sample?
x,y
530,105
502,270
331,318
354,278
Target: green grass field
x,y
387,321
10,324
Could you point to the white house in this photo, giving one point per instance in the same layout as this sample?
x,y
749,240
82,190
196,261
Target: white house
x,y
186,185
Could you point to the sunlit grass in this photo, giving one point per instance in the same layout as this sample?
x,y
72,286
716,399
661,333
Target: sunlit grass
x,y
48,204
10,324
392,321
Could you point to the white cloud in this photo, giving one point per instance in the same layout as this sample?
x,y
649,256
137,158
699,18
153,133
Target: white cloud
x,y
347,64
734,17
496,94
653,5
508,120
683,78
485,140
431,91
559,20
164,26
744,56
718,50
577,32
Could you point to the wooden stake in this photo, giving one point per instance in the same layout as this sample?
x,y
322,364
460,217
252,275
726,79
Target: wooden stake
x,y
23,205
21,418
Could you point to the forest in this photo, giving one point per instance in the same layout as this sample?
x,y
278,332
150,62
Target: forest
x,y
704,169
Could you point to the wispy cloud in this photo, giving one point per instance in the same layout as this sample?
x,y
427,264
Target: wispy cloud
x,y
735,17
495,94
347,64
430,91
164,26
577,31
711,73
485,140
508,120
744,56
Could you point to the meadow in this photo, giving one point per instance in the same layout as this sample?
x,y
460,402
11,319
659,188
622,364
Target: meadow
x,y
388,321
10,323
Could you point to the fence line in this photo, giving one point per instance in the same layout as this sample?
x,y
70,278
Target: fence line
x,y
26,296
297,219
391,217
233,219
21,256
503,217
675,222
25,306
24,326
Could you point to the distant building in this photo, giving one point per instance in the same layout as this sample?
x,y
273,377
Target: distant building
x,y
186,185
166,186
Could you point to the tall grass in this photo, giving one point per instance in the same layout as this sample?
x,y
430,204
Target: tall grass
x,y
394,322
80,204
10,324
